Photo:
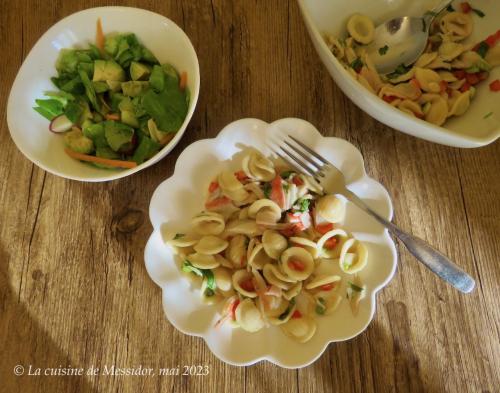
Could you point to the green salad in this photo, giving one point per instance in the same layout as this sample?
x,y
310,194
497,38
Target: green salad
x,y
116,105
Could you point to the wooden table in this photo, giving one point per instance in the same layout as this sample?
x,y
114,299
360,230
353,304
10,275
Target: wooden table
x,y
73,287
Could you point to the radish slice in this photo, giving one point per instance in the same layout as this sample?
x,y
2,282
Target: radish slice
x,y
60,124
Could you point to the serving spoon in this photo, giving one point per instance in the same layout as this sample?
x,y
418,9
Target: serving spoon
x,y
401,40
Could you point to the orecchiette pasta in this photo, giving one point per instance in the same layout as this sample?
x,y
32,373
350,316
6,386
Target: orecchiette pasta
x,y
258,167
208,223
353,256
440,83
361,28
274,243
203,261
267,246
210,245
330,208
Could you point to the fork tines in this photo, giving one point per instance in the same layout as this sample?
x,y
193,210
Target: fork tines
x,y
300,157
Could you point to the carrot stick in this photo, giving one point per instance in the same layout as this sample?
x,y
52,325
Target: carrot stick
x,y
183,80
100,160
112,116
99,36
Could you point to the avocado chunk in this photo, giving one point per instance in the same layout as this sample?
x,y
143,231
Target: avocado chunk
x,y
96,133
78,142
126,105
139,71
105,70
157,79
170,71
118,135
129,118
100,87
134,88
146,149
114,86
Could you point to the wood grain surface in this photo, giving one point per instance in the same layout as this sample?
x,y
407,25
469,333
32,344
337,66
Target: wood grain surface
x,y
73,287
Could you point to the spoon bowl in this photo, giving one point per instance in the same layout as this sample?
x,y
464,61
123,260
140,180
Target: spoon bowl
x,y
402,40
398,41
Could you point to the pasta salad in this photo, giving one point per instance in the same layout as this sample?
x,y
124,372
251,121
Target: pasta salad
x,y
270,247
441,83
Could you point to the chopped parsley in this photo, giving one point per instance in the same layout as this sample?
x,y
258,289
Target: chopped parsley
x,y
286,312
267,190
178,236
188,267
357,64
354,287
285,175
303,205
479,13
382,51
209,275
487,115
482,48
320,306
209,292
400,70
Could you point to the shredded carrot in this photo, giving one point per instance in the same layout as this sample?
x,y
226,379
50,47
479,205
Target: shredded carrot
x,y
330,243
217,202
167,138
100,160
443,85
213,186
324,228
495,85
277,193
297,181
388,99
415,83
112,116
296,265
327,287
183,80
241,176
99,36
248,285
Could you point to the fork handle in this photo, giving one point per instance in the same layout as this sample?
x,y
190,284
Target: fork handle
x,y
423,251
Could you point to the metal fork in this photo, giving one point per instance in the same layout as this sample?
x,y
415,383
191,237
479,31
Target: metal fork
x,y
308,162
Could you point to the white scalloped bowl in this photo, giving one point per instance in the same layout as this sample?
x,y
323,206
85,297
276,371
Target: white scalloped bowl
x,y
30,131
469,130
181,196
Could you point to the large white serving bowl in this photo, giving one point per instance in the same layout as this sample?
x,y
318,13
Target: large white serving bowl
x,y
30,131
180,197
470,130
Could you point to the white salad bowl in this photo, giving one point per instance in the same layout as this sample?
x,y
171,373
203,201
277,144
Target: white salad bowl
x,y
30,131
473,129
181,196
